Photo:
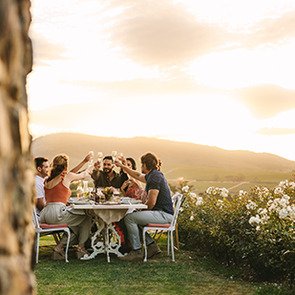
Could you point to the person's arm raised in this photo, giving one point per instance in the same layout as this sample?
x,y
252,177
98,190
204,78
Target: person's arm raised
x,y
137,175
80,165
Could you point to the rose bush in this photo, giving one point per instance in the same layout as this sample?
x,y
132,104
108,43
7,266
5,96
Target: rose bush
x,y
254,228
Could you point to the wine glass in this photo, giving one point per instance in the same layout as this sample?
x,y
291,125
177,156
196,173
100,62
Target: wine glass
x,y
114,155
79,190
99,156
91,154
85,186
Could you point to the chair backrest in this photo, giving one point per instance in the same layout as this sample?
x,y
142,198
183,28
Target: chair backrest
x,y
36,219
177,201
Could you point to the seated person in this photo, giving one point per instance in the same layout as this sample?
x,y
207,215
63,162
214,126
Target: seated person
x,y
107,177
132,188
57,193
42,172
159,202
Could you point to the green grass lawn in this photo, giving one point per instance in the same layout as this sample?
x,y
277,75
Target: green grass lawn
x,y
190,274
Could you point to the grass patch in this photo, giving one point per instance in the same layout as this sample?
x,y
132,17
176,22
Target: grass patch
x,y
190,274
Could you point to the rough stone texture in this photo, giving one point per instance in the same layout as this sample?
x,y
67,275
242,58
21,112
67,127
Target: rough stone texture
x,y
16,173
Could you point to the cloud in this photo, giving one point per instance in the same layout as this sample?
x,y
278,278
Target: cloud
x,y
45,51
144,87
268,100
276,131
273,30
162,33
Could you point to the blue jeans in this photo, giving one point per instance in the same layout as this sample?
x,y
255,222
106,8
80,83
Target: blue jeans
x,y
138,219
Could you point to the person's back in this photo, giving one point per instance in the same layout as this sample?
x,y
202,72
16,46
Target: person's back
x,y
42,171
156,180
57,190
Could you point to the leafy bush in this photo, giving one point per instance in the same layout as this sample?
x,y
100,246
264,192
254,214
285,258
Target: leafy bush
x,y
254,228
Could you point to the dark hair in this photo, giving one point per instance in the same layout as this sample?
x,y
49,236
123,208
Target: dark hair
x,y
133,163
151,161
39,161
108,158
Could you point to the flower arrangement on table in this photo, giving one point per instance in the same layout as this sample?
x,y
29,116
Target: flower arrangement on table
x,y
108,192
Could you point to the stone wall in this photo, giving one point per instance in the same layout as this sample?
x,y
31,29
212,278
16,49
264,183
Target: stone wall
x,y
16,173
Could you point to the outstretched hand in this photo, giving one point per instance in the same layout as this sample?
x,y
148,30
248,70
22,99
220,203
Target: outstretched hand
x,y
90,169
87,158
97,165
118,163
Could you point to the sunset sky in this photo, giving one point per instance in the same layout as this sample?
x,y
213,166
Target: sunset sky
x,y
214,72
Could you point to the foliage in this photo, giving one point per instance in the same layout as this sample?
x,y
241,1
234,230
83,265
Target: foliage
x,y
254,228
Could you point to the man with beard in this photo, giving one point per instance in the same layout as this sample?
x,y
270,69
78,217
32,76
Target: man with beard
x,y
160,208
42,172
107,177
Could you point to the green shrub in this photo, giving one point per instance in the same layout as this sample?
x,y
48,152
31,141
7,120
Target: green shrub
x,y
254,228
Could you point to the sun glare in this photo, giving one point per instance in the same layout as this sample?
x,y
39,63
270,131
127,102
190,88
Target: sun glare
x,y
83,77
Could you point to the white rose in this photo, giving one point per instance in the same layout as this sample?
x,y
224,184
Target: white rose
x,y
185,189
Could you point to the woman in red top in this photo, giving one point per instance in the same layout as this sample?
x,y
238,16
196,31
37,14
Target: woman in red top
x,y
57,193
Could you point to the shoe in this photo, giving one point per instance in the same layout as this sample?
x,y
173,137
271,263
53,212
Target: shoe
x,y
58,254
133,255
80,252
152,250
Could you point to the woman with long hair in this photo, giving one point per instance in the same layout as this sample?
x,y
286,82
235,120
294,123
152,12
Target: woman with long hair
x,y
57,193
132,188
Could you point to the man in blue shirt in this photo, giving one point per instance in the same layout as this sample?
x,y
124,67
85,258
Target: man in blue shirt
x,y
159,202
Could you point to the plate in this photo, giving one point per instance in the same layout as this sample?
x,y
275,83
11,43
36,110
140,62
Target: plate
x,y
111,203
79,201
130,201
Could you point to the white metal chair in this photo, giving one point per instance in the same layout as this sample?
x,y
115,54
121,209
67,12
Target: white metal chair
x,y
169,228
49,229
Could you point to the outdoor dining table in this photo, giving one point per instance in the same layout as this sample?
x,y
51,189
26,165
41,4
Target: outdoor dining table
x,y
104,216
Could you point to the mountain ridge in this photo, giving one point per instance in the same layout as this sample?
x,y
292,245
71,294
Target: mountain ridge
x,y
180,159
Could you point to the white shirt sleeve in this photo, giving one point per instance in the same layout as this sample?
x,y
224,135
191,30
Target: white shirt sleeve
x,y
40,193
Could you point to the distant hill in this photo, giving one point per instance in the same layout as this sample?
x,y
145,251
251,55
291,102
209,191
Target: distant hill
x,y
180,159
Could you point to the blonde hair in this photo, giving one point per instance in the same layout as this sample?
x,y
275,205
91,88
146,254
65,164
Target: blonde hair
x,y
58,165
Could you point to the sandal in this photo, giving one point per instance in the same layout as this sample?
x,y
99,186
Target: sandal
x,y
58,254
80,252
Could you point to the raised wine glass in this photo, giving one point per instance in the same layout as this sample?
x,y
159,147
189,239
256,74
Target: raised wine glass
x,y
99,156
91,154
114,155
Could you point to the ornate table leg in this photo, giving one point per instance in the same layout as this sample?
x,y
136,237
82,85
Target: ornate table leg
x,y
97,246
107,242
114,241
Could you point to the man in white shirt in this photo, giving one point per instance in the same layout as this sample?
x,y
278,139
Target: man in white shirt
x,y
42,171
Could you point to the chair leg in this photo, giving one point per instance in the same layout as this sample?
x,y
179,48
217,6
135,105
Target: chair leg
x,y
177,237
37,247
68,244
172,245
144,245
168,243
